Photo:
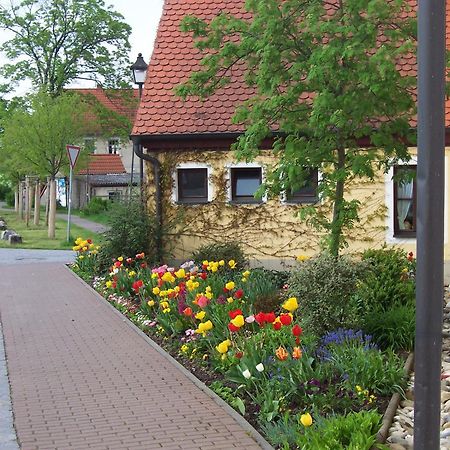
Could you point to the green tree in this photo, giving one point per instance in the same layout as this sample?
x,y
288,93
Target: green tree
x,y
325,76
35,138
57,41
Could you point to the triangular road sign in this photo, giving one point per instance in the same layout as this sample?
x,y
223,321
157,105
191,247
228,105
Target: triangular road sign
x,y
72,152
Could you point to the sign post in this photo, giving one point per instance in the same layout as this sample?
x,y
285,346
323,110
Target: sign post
x,y
72,152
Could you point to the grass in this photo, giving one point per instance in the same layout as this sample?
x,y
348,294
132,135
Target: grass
x,y
36,236
102,217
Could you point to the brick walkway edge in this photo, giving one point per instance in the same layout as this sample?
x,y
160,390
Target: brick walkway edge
x,y
83,377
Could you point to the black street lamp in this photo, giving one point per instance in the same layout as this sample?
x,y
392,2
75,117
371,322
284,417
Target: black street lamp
x,y
139,69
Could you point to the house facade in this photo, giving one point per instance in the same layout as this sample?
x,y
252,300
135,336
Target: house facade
x,y
207,196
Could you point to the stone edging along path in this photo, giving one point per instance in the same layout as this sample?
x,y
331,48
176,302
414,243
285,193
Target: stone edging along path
x,y
236,416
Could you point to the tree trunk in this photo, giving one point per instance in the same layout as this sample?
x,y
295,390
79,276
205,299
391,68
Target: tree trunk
x,y
21,199
37,202
336,224
52,209
47,203
28,200
16,199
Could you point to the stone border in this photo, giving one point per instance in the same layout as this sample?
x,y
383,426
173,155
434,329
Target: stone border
x,y
391,410
202,386
8,437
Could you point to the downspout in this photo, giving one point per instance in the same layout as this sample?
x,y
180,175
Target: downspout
x,y
137,149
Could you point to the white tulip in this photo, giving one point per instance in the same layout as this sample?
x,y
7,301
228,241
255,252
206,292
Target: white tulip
x,y
246,373
260,367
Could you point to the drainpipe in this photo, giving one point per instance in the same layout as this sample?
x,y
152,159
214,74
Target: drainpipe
x,y
137,149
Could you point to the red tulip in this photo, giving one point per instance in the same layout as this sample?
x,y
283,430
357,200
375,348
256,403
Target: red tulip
x,y
297,330
239,293
236,312
285,319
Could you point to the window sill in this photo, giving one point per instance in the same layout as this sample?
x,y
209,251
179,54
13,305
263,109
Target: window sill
x,y
411,235
304,201
246,202
200,202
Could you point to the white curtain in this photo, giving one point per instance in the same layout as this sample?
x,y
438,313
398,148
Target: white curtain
x,y
404,190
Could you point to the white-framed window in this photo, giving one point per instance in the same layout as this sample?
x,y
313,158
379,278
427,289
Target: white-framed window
x,y
114,196
114,146
307,193
192,183
243,180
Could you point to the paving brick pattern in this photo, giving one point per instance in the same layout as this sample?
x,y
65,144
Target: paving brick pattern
x,y
81,378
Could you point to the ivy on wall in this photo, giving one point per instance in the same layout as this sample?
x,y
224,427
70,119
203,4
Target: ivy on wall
x,y
271,230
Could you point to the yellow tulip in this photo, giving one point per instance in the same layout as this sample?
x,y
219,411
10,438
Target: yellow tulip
x,y
156,290
306,420
180,273
168,277
200,315
290,304
223,346
238,321
232,263
151,303
230,285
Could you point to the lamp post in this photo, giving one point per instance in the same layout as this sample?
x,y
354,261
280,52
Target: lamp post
x,y
139,69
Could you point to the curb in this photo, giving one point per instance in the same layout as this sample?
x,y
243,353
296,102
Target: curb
x,y
257,437
391,410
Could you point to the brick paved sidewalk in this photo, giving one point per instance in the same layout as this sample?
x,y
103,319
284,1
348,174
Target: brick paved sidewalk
x,y
81,377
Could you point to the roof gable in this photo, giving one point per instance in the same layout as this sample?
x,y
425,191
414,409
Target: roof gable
x,y
174,58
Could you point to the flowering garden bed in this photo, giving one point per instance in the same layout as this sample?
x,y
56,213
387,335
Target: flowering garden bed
x,y
247,339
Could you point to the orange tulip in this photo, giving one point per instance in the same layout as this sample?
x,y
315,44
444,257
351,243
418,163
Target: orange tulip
x,y
297,353
281,354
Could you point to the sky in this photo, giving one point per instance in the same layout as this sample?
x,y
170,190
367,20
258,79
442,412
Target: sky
x,y
142,16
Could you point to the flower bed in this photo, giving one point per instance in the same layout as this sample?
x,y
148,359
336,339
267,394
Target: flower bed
x,y
246,339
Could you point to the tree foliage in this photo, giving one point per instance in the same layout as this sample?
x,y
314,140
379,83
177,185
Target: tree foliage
x,y
57,41
326,77
35,138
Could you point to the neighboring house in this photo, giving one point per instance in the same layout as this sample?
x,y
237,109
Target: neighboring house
x,y
108,174
104,177
201,179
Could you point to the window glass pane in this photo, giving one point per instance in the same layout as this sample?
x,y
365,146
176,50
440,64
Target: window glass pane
x,y
192,183
245,182
246,185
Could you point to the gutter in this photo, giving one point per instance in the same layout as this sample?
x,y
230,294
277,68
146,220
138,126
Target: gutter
x,y
137,149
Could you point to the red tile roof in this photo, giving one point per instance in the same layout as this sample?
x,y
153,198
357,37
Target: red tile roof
x,y
103,164
174,58
121,101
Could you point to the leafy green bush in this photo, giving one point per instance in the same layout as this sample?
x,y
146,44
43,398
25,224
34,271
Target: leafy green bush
x,y
10,198
390,281
392,328
355,431
221,250
367,367
5,188
324,287
95,206
132,230
262,292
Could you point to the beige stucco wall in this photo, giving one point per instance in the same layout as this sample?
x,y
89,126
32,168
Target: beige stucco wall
x,y
271,233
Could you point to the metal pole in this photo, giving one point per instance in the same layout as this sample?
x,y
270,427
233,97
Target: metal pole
x,y
69,204
430,223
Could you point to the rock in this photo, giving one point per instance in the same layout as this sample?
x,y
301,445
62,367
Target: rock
x,y
3,225
396,447
445,396
407,403
445,433
15,239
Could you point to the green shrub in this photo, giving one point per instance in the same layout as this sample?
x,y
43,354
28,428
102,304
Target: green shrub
x,y
5,188
379,372
355,431
390,281
221,250
324,287
95,206
10,198
392,328
132,230
262,292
